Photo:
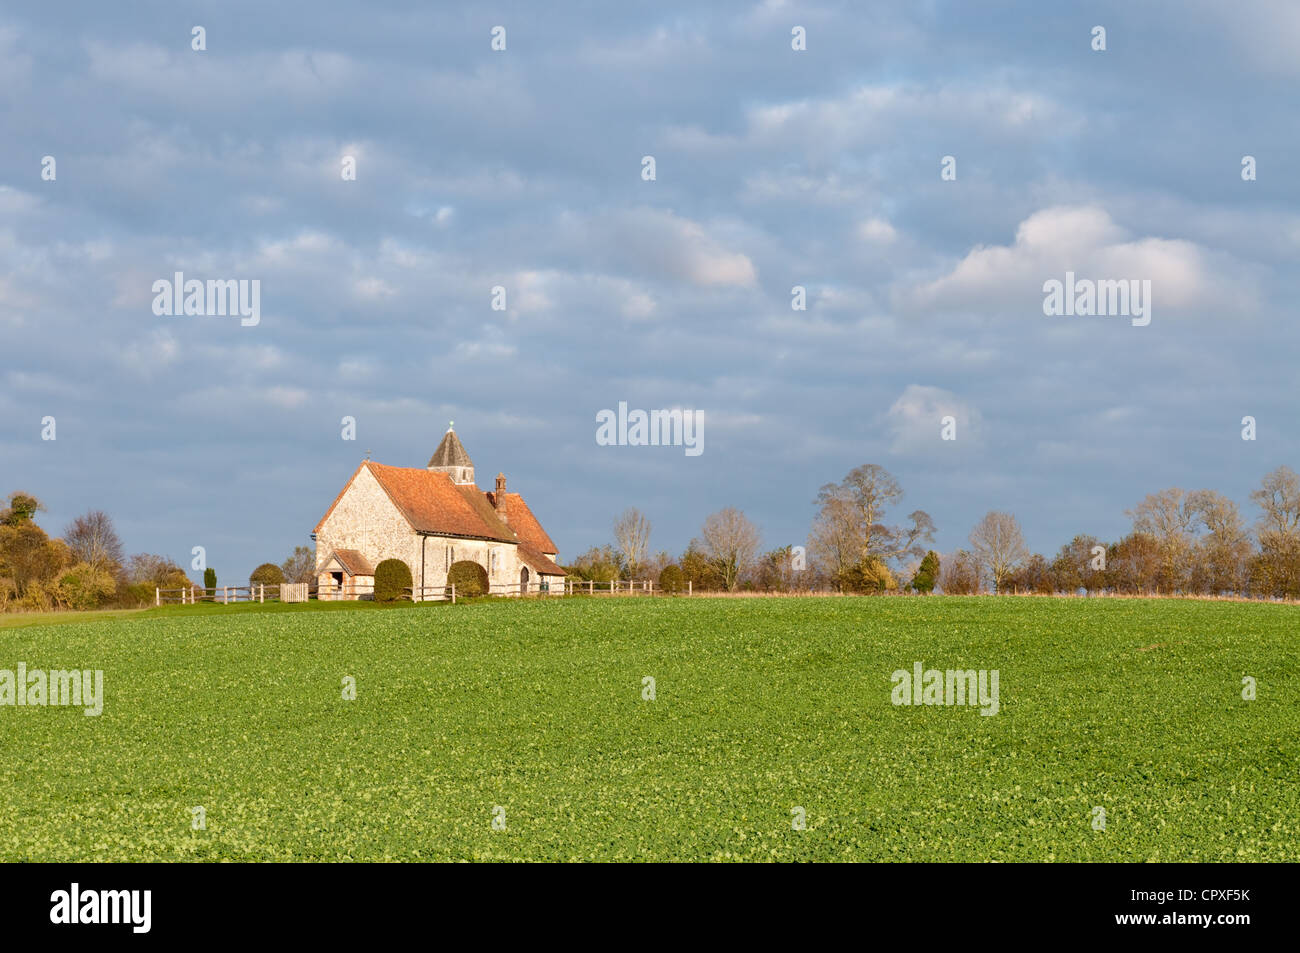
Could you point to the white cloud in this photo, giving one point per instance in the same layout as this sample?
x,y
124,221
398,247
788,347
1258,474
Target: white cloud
x,y
877,231
1086,241
916,421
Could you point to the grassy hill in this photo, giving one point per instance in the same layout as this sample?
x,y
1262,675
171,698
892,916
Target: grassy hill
x,y
761,706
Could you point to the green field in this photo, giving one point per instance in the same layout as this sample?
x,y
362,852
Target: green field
x,y
762,706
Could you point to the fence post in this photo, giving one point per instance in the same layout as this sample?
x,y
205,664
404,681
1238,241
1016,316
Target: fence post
x,y
689,586
157,596
453,593
225,595
591,587
261,592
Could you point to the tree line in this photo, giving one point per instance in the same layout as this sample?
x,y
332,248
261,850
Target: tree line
x,y
87,567
1181,542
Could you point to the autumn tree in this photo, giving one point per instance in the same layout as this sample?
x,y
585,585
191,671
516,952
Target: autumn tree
x,y
300,566
998,546
729,543
850,529
1169,517
959,574
94,541
632,536
1221,556
22,508
1276,569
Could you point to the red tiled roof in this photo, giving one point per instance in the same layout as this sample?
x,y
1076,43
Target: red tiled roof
x,y
352,562
431,503
538,562
524,523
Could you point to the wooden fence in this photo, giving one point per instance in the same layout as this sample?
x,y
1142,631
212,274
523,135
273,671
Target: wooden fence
x,y
301,592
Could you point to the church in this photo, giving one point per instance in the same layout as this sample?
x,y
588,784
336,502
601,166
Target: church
x,y
433,519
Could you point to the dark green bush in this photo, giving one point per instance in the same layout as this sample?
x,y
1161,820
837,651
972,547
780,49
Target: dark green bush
x,y
672,579
469,578
267,574
392,579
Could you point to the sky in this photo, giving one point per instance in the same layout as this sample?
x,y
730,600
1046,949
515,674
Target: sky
x,y
522,168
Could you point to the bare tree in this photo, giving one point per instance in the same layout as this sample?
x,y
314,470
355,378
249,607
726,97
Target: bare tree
x,y
730,543
632,536
1223,555
300,566
94,541
959,574
1277,567
850,529
1169,517
1279,497
998,546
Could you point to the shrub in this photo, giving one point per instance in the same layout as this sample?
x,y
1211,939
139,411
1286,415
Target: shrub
x,y
84,587
672,579
927,574
392,577
469,578
870,575
267,574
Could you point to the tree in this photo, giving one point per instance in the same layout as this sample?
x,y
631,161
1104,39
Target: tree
x,y
698,570
1169,517
392,579
146,569
849,528
1033,575
1276,570
777,573
999,546
1279,497
267,574
94,541
1133,564
28,556
300,566
84,587
632,535
22,508
598,564
729,543
1222,556
959,574
209,578
1072,568
927,574
672,580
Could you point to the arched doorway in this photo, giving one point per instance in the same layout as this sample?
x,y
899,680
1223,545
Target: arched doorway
x,y
469,578
523,580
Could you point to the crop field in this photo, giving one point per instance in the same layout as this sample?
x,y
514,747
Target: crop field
x,y
508,730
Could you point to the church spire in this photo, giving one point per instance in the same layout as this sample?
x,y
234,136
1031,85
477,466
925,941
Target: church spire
x,y
452,459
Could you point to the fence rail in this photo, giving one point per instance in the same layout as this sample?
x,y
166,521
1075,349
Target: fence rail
x,y
303,592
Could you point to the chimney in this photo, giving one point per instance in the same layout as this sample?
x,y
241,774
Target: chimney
x,y
499,499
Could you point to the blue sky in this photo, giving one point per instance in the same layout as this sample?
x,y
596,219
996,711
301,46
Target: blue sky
x,y
522,168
